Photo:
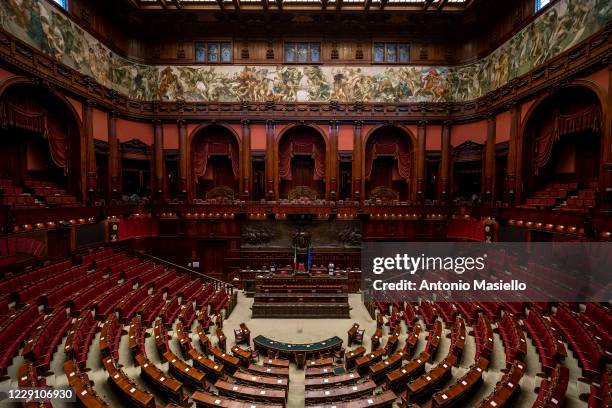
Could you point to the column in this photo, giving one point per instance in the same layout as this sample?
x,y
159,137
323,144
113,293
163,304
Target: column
x,y
182,165
489,166
357,171
420,160
511,167
444,168
113,155
158,157
605,178
270,165
333,159
246,159
91,148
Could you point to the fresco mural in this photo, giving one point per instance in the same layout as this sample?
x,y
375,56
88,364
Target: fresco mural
x,y
563,25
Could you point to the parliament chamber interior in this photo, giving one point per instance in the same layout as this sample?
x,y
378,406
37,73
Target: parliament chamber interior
x,y
188,189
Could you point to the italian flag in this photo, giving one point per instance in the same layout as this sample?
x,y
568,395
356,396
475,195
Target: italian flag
x,y
295,265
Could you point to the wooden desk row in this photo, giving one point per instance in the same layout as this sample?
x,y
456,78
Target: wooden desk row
x,y
367,360
463,387
185,372
269,371
129,390
433,339
351,356
433,380
277,396
207,400
200,361
375,339
183,337
205,342
167,385
506,387
379,369
82,387
136,336
332,381
384,400
392,342
222,339
161,336
458,333
319,362
401,376
231,363
260,380
243,355
412,340
339,393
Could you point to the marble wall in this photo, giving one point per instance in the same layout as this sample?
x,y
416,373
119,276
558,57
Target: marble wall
x,y
563,25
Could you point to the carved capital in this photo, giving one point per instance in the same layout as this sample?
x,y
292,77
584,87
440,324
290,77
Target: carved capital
x,y
422,123
245,123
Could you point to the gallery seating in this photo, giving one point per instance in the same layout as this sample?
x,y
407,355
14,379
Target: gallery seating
x,y
80,336
553,389
584,346
512,335
547,341
44,339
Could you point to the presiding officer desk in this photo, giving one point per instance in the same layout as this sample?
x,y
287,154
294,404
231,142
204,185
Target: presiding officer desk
x,y
291,350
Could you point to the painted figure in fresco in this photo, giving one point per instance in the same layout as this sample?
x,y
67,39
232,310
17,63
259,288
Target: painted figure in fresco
x,y
13,11
559,27
358,86
169,85
317,85
604,12
99,62
338,90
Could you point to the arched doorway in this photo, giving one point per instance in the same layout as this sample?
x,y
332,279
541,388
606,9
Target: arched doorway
x,y
40,147
215,163
301,163
561,150
388,164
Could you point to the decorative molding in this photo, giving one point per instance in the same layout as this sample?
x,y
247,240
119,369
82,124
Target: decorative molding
x,y
46,70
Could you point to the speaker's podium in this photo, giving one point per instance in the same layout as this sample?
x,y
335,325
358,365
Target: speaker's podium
x,y
301,292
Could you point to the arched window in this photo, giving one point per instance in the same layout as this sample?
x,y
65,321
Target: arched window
x,y
62,3
540,4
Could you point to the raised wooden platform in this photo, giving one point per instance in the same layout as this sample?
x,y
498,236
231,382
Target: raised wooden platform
x,y
301,296
301,310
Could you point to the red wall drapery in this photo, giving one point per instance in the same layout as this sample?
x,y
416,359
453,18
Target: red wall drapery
x,y
392,146
25,116
587,119
303,145
213,145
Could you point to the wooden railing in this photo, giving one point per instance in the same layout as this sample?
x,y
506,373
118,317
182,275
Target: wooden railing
x,y
218,284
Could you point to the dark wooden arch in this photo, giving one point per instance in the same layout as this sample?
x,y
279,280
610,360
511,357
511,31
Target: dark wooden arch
x,y
191,137
13,81
413,143
288,129
601,96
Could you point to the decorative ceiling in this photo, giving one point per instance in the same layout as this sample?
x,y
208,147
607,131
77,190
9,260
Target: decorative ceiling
x,y
306,5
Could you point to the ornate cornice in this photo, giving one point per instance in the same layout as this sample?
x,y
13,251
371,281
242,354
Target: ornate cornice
x,y
591,54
